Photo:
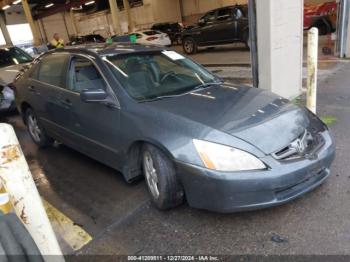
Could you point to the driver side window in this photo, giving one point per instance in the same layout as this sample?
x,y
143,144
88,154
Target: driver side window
x,y
210,17
83,75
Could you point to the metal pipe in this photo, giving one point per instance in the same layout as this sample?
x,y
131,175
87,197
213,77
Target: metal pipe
x,y
253,42
312,59
24,196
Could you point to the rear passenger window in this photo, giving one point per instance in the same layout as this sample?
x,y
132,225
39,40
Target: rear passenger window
x,y
224,14
84,75
52,68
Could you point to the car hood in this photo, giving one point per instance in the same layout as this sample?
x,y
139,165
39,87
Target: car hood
x,y
9,73
256,116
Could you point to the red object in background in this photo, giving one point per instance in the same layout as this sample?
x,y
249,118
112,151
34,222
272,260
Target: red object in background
x,y
314,13
151,38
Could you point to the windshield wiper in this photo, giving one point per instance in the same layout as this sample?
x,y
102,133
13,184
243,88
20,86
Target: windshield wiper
x,y
160,97
205,85
201,86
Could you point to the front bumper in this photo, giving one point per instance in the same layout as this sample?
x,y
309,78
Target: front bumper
x,y
7,99
238,191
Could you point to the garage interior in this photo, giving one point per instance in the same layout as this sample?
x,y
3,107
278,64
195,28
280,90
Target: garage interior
x,y
103,215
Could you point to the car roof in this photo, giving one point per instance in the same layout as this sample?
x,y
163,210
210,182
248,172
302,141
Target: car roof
x,y
229,6
108,49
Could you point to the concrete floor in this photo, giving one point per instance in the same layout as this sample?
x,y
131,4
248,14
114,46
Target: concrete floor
x,y
121,219
237,54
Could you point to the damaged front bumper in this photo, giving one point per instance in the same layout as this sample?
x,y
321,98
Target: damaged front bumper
x,y
7,99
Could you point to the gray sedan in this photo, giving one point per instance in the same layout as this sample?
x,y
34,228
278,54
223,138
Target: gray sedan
x,y
152,112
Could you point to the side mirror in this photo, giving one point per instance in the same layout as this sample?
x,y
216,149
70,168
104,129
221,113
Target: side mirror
x,y
201,22
93,95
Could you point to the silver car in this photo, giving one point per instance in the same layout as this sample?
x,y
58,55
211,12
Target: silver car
x,y
12,60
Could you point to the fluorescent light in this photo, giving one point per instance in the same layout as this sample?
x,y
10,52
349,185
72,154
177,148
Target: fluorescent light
x,y
5,7
16,2
77,8
48,5
90,3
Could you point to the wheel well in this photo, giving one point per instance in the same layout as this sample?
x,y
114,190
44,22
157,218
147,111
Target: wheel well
x,y
323,22
24,108
132,170
187,36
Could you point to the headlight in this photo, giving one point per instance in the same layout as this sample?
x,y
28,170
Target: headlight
x,y
225,158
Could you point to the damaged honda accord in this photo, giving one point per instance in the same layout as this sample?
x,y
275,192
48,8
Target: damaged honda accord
x,y
152,112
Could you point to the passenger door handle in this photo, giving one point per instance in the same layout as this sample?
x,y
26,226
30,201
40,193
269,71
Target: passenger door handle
x,y
31,89
66,102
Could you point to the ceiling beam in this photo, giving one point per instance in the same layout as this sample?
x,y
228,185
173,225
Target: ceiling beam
x,y
58,8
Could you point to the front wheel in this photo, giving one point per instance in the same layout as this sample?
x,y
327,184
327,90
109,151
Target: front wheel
x,y
36,132
164,187
246,39
189,46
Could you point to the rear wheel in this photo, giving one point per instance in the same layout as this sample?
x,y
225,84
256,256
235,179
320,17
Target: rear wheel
x,y
36,132
324,28
189,45
164,187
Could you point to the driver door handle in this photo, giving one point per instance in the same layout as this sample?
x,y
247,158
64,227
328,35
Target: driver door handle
x,y
66,102
31,89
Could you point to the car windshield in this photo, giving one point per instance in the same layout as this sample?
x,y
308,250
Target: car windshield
x,y
152,32
157,75
13,56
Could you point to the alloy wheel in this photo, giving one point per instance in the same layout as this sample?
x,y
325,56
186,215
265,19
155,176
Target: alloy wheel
x,y
151,174
188,46
34,128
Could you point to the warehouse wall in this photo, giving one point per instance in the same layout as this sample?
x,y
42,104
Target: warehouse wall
x,y
144,16
58,23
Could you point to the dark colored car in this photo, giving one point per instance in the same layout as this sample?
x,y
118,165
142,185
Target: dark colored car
x,y
220,26
153,112
87,39
173,30
12,60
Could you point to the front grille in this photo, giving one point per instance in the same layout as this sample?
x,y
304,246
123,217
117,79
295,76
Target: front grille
x,y
305,145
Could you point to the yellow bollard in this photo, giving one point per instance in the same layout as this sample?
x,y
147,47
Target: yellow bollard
x,y
312,59
24,196
5,204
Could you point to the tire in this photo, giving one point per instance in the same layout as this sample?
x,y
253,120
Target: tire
x,y
323,27
160,175
189,45
35,130
246,39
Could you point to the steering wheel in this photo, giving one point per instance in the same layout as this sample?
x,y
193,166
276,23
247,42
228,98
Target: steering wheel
x,y
166,75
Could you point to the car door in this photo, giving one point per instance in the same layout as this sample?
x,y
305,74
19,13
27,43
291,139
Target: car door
x,y
95,126
208,28
45,86
225,28
241,22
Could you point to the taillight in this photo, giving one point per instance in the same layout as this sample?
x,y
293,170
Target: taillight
x,y
151,38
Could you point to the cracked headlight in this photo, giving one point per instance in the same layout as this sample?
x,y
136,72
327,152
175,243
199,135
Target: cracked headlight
x,y
225,158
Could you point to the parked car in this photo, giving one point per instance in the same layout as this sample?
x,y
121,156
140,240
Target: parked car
x,y
86,39
152,37
121,38
12,60
153,112
173,30
322,16
220,26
